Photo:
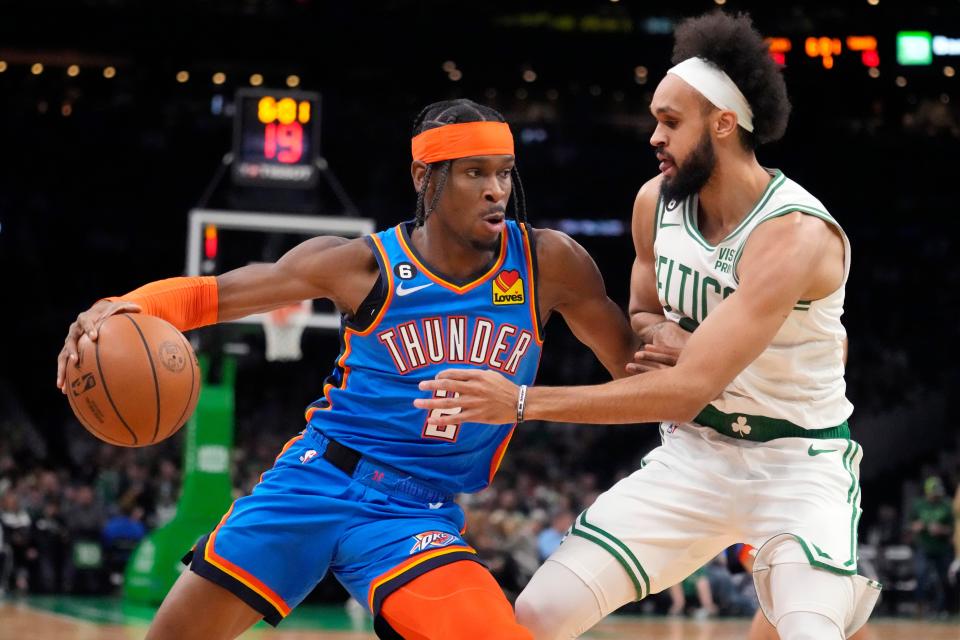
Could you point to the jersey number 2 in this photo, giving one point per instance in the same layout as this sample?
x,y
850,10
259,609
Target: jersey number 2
x,y
446,432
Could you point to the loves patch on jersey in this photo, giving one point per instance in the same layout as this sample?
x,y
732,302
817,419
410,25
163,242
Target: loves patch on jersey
x,y
508,288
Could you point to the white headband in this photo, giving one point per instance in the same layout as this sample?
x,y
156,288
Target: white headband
x,y
717,87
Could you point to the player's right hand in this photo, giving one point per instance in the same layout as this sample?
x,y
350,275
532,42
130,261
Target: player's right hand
x,y
87,323
651,357
665,342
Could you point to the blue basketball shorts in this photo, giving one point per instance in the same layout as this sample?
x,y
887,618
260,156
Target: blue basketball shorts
x,y
376,529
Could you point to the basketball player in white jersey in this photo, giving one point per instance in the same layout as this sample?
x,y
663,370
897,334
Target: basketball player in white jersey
x,y
756,446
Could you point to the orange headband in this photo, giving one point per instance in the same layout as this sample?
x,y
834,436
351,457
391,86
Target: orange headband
x,y
462,140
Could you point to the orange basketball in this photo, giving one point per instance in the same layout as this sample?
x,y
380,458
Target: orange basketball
x,y
137,384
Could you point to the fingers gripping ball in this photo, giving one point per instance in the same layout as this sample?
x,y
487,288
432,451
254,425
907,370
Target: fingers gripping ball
x,y
136,384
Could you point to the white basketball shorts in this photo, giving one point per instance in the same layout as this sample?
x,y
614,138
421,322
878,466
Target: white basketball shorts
x,y
702,491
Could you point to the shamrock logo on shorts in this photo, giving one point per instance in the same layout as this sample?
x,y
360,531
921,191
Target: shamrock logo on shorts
x,y
741,426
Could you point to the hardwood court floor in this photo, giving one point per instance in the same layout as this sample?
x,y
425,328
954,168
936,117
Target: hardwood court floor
x,y
88,620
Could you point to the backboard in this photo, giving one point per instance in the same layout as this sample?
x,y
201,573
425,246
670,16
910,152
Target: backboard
x,y
261,237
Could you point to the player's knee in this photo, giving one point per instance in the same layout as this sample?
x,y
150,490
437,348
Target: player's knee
x,y
226,615
802,625
490,622
459,601
533,615
488,617
558,604
791,590
483,619
543,617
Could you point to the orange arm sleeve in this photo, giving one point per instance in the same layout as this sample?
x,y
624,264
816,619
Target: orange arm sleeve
x,y
186,303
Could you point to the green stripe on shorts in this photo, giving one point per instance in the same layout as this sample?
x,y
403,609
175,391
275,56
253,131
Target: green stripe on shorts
x,y
819,561
619,543
626,566
817,557
853,494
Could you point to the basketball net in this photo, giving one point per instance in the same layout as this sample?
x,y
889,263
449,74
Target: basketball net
x,y
283,329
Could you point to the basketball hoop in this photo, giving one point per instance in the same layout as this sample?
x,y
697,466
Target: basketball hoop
x,y
283,329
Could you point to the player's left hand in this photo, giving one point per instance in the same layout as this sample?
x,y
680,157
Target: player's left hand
x,y
482,396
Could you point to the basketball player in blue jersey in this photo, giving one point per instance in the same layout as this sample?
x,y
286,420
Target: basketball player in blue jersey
x,y
756,442
367,489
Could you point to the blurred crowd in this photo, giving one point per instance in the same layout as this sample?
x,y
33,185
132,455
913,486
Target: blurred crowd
x,y
71,528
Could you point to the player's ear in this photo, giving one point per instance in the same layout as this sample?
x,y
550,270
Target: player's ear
x,y
417,171
725,124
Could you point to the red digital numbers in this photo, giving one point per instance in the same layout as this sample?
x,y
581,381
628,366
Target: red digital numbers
x,y
283,142
283,122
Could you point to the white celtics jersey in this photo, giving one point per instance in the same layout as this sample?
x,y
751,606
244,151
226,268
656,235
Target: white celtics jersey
x,y
796,386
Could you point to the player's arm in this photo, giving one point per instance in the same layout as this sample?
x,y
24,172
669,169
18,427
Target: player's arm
x,y
779,266
646,312
314,269
782,263
571,284
662,339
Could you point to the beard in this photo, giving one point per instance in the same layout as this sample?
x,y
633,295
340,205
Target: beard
x,y
693,174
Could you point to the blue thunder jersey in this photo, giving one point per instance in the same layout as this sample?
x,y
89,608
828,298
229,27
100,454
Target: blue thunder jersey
x,y
422,324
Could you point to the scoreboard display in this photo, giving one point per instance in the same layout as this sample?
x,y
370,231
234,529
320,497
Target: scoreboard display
x,y
276,138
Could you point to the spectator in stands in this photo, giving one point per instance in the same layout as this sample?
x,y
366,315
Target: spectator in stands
x,y
932,528
719,593
887,528
126,527
954,573
4,564
49,539
16,531
166,490
525,547
84,518
697,584
121,534
84,514
551,537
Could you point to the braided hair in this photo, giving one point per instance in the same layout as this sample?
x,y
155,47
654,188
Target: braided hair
x,y
446,112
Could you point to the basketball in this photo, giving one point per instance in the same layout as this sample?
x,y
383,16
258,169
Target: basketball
x,y
137,383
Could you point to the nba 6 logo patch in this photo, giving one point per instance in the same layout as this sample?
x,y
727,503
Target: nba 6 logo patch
x,y
308,456
508,288
431,539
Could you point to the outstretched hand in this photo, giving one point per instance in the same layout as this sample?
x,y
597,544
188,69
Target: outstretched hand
x,y
482,396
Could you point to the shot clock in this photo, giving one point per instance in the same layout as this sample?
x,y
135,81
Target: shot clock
x,y
275,141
